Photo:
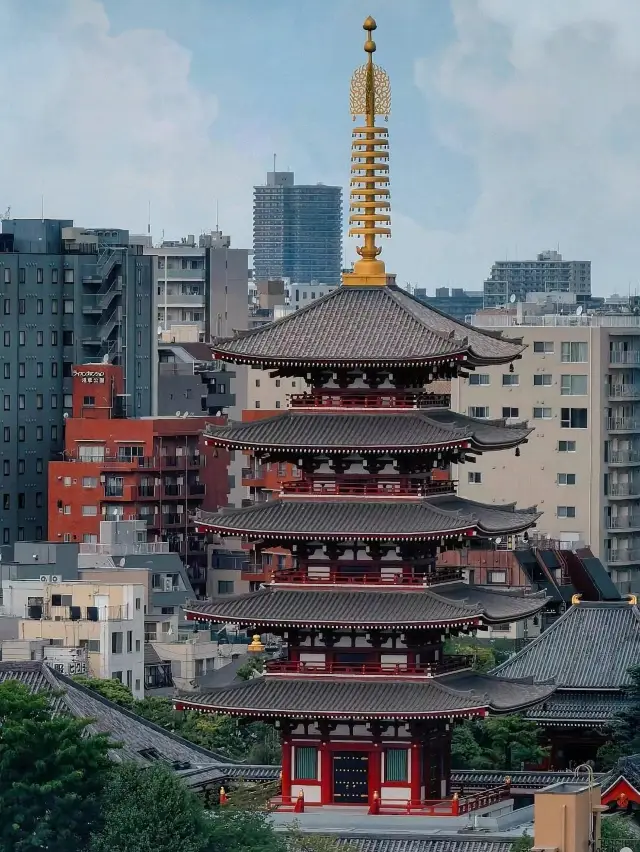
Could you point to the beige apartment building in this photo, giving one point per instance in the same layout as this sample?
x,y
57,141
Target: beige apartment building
x,y
578,386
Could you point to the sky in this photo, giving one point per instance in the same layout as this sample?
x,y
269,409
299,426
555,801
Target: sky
x,y
515,125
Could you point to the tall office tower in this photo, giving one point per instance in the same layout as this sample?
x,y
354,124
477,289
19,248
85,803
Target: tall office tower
x,y
69,296
548,273
297,230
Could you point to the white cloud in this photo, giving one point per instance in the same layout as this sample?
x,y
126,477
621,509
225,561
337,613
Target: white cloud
x,y
544,99
100,123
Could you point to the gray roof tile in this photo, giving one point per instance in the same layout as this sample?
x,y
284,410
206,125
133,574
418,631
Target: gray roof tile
x,y
366,324
368,699
446,603
339,431
379,843
574,708
368,519
591,646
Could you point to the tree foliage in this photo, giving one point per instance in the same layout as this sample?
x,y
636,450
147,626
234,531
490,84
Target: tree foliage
x,y
51,774
252,667
624,729
499,742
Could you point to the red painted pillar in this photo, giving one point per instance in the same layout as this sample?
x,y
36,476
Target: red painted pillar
x,y
375,772
286,768
415,761
326,785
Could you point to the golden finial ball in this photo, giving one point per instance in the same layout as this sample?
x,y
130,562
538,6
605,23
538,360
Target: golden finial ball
x,y
370,24
370,46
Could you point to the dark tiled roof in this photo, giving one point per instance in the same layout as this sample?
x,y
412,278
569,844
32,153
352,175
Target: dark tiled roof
x,y
366,519
339,431
446,603
353,325
483,779
579,709
591,646
627,768
151,656
362,699
422,844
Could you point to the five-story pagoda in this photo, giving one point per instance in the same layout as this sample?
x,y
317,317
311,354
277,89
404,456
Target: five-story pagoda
x,y
365,698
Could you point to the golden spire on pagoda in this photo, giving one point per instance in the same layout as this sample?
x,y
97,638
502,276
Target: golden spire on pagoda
x,y
370,96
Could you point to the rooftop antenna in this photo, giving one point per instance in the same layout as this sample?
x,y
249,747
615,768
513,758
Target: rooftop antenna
x,y
369,97
42,207
274,163
149,218
217,215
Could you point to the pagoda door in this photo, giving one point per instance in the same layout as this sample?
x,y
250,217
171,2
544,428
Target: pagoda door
x,y
351,777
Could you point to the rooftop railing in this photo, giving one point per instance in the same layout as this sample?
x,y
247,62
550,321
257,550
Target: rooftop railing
x,y
138,549
371,489
366,578
451,663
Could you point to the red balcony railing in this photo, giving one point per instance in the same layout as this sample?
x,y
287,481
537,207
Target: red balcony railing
x,y
366,579
448,664
368,399
371,488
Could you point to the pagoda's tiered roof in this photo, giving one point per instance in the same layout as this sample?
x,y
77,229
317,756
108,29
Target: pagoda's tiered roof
x,y
365,326
588,652
447,604
366,520
338,432
447,696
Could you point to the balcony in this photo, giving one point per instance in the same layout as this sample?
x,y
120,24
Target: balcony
x,y
335,398
452,663
196,489
172,520
368,488
624,457
49,612
623,491
624,556
630,357
149,548
624,391
623,424
369,578
624,523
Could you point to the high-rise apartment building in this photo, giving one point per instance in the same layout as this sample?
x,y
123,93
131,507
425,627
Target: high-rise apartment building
x,y
297,230
548,273
578,385
69,296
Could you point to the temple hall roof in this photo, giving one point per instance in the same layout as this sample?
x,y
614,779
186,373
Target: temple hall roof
x,y
361,699
590,647
358,325
579,709
341,432
447,603
335,518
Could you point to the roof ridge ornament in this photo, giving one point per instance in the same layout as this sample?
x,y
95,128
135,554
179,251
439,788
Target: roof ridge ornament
x,y
370,96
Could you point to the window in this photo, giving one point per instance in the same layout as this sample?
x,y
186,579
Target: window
x,y
396,764
479,379
91,452
7,276
89,400
566,511
21,466
475,477
225,587
277,403
129,641
22,502
38,499
542,414
22,369
479,411
7,434
89,511
22,306
510,380
67,400
54,370
116,676
306,768
137,603
116,642
543,346
67,338
68,276
257,383
496,577
7,338
39,306
573,385
54,276
39,465
22,338
89,482
542,380
7,402
6,468
39,401
257,404
54,306
54,338
7,307
573,418
566,446
20,533
574,353
39,338
22,275
566,479
39,276
21,400
54,400
39,369
39,433
6,502
510,412
130,452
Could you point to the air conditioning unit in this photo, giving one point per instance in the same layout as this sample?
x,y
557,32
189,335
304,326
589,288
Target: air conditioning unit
x,y
168,584
56,578
45,578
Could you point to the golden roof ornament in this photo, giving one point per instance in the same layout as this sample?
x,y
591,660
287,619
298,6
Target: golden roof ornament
x,y
370,96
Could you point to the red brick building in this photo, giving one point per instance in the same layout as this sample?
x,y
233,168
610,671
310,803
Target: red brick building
x,y
156,469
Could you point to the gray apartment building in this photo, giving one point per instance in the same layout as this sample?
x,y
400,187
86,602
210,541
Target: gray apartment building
x,y
69,296
297,231
548,273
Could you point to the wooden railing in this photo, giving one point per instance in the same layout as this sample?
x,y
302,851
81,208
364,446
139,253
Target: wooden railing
x,y
367,579
451,663
368,489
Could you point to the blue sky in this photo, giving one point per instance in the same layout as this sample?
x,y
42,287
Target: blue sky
x,y
513,126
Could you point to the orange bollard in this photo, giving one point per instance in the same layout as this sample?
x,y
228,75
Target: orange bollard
x,y
223,796
299,805
374,807
455,805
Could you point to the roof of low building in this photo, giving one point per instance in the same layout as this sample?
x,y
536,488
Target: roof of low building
x,y
445,603
365,519
576,709
422,844
359,325
590,647
468,695
339,431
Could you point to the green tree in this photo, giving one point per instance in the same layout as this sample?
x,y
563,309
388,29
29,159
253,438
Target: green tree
x,y
620,830
466,751
499,742
523,843
113,690
624,730
249,669
150,808
51,774
233,830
